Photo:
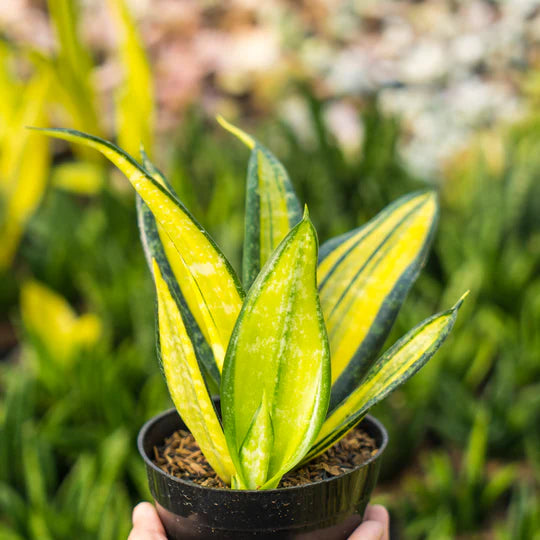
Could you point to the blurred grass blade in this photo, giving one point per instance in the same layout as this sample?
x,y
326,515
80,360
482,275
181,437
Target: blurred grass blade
x,y
280,326
272,208
158,246
76,487
391,370
24,164
38,526
34,473
500,482
474,458
12,504
134,97
209,283
364,277
17,406
186,383
113,454
6,533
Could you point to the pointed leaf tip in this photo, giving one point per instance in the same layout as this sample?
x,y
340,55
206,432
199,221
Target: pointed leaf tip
x,y
460,301
281,323
272,209
364,277
392,369
212,290
306,213
248,140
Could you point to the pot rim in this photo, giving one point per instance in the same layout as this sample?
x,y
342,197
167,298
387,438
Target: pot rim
x,y
146,426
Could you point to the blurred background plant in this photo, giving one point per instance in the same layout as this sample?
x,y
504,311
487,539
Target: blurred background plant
x,y
362,101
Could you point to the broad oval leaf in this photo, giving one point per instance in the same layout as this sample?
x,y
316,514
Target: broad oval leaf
x,y
364,277
279,349
207,280
272,207
391,370
186,383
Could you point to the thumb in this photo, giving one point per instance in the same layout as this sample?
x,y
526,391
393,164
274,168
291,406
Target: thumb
x,y
146,523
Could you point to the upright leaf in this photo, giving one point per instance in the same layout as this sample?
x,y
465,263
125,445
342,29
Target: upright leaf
x,y
24,164
272,208
73,66
391,370
364,277
256,449
206,279
279,353
158,246
10,86
135,96
186,383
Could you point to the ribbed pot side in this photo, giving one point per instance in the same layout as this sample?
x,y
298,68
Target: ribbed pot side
x,y
329,509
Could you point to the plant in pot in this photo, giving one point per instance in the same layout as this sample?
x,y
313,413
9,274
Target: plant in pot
x,y
292,352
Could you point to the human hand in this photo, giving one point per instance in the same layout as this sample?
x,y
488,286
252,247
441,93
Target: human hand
x,y
376,525
147,526
146,523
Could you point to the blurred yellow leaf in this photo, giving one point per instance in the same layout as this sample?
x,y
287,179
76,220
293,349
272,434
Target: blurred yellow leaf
x,y
49,318
24,159
135,97
73,68
79,177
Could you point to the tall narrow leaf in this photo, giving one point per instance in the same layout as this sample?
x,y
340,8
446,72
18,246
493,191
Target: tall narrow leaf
x,y
272,208
158,246
207,280
10,86
73,66
391,370
24,163
364,277
277,371
186,383
135,96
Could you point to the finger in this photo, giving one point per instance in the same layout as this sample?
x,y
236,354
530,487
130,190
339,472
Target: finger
x,y
137,534
146,521
369,530
379,513
145,517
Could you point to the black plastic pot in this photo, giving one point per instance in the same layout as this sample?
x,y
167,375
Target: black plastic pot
x,y
329,509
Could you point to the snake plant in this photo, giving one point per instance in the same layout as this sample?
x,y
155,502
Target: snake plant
x,y
293,350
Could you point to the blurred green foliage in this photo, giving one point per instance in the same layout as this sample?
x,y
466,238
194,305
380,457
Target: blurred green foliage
x,y
465,444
